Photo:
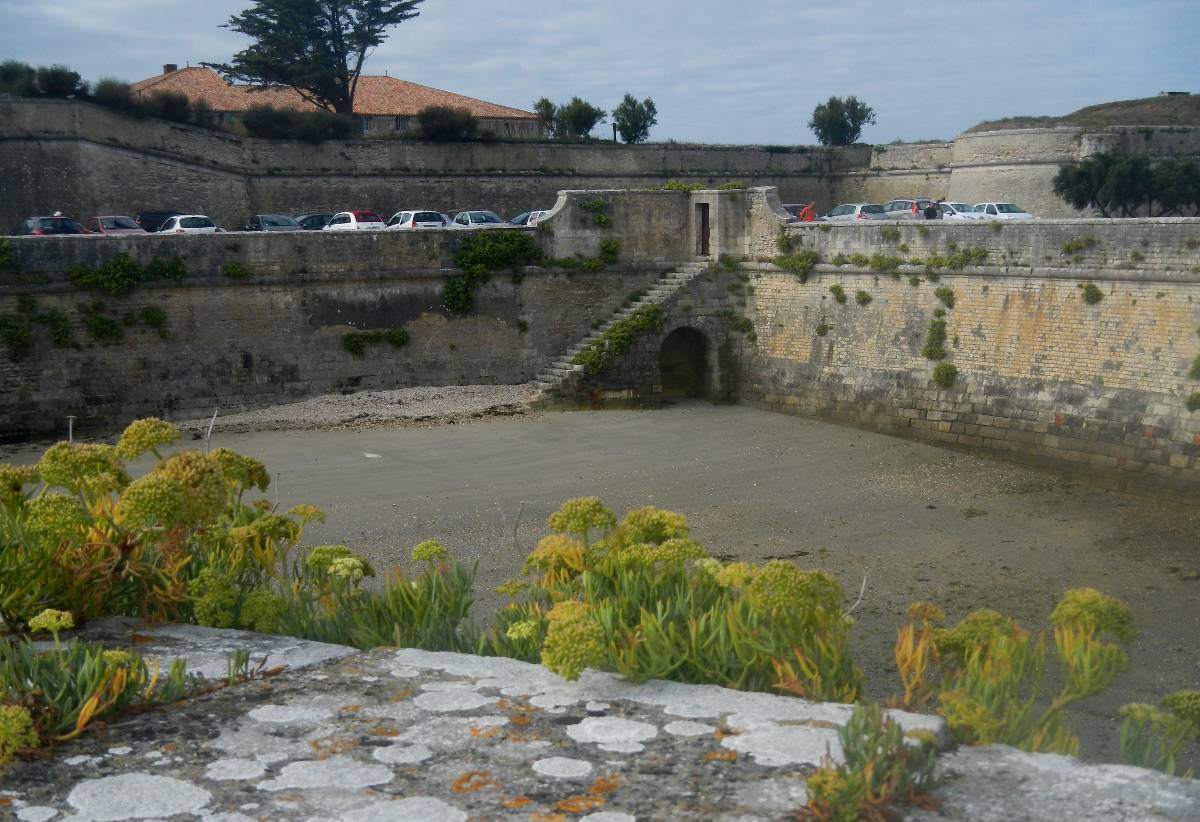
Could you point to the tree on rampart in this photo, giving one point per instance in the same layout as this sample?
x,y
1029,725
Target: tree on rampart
x,y
316,47
838,122
635,119
1122,185
573,120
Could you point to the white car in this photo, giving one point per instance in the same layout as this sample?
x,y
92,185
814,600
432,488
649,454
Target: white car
x,y
477,219
188,224
1001,211
354,221
852,212
417,219
959,211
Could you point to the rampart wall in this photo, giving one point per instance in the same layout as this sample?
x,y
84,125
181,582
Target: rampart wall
x,y
84,160
1043,376
277,334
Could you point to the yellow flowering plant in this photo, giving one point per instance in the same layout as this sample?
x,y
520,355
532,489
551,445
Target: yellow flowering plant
x,y
987,674
640,597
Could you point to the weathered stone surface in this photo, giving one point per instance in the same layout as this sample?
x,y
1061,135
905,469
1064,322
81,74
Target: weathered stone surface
x,y
999,784
357,738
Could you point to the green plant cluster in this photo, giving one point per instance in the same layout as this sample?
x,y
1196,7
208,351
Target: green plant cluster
x,y
935,340
738,322
890,233
801,263
640,597
733,185
839,260
598,208
880,771
945,374
956,260
120,274
99,324
1075,247
822,329
679,185
619,337
838,293
987,675
862,297
482,253
235,271
485,251
946,295
356,342
885,264
860,260
1152,737
1091,293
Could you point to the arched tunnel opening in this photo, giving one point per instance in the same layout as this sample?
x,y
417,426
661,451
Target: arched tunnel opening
x,y
683,362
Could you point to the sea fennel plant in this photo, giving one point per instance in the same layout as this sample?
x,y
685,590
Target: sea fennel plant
x,y
641,598
987,674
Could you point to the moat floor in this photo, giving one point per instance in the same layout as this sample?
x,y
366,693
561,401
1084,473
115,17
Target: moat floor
x,y
923,523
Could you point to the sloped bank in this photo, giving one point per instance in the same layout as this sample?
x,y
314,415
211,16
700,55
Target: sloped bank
x,y
414,735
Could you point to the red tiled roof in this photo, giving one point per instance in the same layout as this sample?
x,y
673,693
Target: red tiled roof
x,y
376,96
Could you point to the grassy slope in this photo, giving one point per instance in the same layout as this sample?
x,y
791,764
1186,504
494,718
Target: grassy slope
x,y
1151,111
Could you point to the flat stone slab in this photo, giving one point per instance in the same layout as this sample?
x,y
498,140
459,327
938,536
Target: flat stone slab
x,y
207,650
414,735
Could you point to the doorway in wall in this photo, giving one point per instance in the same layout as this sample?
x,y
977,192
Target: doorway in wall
x,y
702,230
683,363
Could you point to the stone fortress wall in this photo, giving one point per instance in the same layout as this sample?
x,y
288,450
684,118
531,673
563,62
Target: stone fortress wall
x,y
84,160
1043,377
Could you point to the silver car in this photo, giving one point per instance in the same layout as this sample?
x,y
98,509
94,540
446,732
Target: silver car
x,y
477,219
851,212
906,208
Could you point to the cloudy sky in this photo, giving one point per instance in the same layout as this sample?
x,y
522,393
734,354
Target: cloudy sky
x,y
737,71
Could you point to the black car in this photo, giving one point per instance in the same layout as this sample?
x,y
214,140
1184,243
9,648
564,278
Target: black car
x,y
272,222
39,226
153,219
314,222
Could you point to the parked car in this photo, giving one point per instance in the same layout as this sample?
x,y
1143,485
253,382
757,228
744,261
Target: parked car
x,y
114,224
1002,211
906,208
272,222
850,212
152,219
477,219
189,224
314,222
416,219
41,226
958,211
529,217
354,221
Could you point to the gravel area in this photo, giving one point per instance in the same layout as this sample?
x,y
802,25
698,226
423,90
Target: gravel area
x,y
401,408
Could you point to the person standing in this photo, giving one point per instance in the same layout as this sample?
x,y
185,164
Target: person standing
x,y
932,212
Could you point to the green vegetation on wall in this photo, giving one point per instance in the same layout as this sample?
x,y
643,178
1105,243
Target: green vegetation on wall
x,y
599,353
356,342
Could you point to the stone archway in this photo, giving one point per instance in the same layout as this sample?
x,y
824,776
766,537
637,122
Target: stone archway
x,y
684,364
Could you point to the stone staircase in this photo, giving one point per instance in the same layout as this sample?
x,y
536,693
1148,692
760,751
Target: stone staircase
x,y
561,372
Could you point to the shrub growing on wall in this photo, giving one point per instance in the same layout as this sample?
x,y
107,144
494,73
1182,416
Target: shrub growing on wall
x,y
447,124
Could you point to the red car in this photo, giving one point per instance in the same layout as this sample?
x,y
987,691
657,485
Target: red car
x,y
114,224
